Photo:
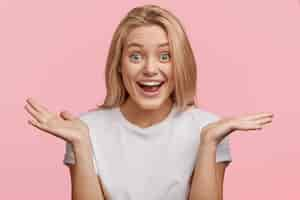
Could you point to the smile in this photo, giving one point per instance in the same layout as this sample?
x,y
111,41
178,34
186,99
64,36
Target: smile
x,y
150,89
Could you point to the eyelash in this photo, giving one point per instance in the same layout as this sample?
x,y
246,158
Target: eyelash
x,y
135,53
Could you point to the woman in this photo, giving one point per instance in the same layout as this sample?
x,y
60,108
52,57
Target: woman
x,y
149,139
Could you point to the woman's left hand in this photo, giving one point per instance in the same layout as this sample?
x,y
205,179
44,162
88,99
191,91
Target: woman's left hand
x,y
214,132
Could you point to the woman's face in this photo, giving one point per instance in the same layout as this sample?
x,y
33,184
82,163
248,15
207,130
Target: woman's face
x,y
147,67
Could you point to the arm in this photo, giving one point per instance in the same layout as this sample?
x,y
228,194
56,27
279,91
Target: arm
x,y
206,182
70,128
85,183
220,172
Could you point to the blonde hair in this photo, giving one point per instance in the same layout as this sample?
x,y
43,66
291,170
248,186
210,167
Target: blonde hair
x,y
184,65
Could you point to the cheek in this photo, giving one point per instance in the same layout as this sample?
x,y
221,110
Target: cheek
x,y
129,74
130,68
168,71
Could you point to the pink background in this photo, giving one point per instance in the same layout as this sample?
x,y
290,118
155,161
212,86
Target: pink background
x,y
248,60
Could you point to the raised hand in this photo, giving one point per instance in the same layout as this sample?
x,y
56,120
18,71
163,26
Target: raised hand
x,y
63,125
216,131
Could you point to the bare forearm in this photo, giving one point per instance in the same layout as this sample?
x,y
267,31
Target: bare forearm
x,y
204,183
85,183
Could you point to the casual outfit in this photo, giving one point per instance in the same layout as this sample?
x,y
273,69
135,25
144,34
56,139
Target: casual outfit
x,y
152,163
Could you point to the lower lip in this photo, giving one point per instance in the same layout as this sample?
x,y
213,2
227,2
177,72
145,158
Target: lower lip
x,y
150,94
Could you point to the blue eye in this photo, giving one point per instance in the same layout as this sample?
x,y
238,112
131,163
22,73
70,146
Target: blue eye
x,y
135,57
165,57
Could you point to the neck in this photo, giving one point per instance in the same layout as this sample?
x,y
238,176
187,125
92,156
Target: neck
x,y
145,117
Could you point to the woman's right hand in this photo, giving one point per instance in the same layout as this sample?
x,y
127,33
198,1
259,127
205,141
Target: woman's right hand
x,y
63,125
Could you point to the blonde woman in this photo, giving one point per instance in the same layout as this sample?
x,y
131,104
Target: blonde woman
x,y
148,140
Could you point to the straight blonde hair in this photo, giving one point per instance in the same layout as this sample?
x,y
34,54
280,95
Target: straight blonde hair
x,y
184,65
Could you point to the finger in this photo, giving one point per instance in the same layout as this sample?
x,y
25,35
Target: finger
x,y
39,125
257,127
264,120
258,116
246,125
67,115
35,114
258,124
44,128
38,107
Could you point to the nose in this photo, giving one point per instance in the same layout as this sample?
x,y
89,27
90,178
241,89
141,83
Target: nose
x,y
151,67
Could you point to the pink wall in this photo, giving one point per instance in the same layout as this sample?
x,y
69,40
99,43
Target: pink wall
x,y
248,58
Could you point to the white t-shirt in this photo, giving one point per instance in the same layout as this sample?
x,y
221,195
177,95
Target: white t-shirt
x,y
150,163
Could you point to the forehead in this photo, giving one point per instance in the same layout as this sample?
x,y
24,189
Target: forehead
x,y
152,35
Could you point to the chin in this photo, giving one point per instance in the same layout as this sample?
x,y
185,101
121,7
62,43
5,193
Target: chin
x,y
151,104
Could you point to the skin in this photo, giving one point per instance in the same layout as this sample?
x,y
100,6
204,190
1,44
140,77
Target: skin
x,y
62,125
149,60
85,183
204,186
146,59
214,132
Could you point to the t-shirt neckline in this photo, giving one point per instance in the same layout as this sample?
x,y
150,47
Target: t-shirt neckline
x,y
145,130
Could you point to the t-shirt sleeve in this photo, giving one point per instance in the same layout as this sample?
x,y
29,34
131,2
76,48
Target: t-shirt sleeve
x,y
223,152
69,156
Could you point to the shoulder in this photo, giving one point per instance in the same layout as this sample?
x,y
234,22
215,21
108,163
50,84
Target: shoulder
x,y
96,116
99,122
202,116
195,116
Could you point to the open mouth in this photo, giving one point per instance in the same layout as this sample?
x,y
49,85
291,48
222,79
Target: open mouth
x,y
150,89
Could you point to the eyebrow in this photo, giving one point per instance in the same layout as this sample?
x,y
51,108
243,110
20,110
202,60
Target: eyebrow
x,y
140,45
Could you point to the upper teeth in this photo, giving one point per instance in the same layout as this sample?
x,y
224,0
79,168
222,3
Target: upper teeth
x,y
152,83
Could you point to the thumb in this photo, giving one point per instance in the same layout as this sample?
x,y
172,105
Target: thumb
x,y
67,115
